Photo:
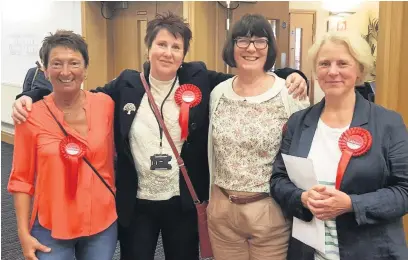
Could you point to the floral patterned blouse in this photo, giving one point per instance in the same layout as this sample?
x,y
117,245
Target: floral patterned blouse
x,y
247,133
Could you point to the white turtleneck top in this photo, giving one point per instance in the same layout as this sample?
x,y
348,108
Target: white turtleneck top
x,y
144,138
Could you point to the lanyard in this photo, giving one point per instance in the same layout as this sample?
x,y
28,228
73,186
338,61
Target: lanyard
x,y
161,110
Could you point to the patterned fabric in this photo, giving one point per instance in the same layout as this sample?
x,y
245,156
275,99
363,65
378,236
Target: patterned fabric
x,y
246,138
290,105
144,137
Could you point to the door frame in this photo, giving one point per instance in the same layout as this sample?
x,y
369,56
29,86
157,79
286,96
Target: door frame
x,y
302,11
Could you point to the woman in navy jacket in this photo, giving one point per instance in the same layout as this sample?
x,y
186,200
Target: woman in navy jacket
x,y
363,210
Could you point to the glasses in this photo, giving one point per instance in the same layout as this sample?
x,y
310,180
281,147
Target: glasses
x,y
244,43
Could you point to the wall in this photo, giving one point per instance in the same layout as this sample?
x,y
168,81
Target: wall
x,y
95,31
357,21
201,15
278,10
22,30
391,62
122,37
128,28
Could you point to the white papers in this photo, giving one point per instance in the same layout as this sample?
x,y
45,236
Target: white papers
x,y
311,233
301,173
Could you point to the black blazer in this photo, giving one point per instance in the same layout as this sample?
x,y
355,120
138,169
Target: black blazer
x,y
38,82
128,88
377,183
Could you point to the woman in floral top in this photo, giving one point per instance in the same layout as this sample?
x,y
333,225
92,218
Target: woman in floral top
x,y
248,113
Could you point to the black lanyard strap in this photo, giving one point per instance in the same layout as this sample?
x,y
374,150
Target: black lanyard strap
x,y
84,158
161,109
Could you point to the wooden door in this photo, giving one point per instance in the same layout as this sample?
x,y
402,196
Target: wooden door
x,y
129,30
276,12
301,39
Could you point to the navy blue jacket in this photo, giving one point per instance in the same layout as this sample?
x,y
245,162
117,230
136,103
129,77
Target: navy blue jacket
x,y
377,183
35,79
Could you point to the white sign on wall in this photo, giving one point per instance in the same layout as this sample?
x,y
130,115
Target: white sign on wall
x,y
24,24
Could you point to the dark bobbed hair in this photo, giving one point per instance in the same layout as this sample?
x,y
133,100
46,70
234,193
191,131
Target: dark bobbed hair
x,y
172,23
67,39
248,26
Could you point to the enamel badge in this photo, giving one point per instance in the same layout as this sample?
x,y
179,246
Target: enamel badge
x,y
129,107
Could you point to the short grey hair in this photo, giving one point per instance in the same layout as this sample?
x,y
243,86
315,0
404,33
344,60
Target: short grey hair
x,y
357,46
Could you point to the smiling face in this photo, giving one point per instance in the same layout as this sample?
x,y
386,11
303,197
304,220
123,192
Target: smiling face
x,y
337,70
66,69
166,55
250,53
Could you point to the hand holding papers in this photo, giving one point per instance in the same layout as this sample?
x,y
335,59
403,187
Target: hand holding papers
x,y
301,173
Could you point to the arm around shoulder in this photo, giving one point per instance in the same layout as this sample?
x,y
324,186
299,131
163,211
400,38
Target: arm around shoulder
x,y
35,94
215,77
112,88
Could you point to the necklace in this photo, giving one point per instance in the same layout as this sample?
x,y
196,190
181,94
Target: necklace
x,y
68,110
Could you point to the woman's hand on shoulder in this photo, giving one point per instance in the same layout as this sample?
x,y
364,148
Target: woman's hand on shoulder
x,y
20,107
297,86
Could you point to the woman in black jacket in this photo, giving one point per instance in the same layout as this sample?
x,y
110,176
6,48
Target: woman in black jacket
x,y
35,77
151,200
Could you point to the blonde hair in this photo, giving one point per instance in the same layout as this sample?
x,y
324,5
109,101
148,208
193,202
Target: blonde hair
x,y
357,46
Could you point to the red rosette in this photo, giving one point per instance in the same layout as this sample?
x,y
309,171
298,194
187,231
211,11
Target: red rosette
x,y
355,141
72,152
186,96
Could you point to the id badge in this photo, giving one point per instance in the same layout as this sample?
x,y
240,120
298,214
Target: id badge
x,y
160,162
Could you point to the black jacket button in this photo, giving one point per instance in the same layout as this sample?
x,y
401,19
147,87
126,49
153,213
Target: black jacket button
x,y
193,126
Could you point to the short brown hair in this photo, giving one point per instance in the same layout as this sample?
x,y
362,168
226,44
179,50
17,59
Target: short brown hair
x,y
250,25
172,23
67,39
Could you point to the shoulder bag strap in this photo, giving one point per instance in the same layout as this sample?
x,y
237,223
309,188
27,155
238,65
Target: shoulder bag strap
x,y
180,161
84,158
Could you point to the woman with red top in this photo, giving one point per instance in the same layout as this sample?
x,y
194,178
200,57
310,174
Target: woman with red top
x,y
73,209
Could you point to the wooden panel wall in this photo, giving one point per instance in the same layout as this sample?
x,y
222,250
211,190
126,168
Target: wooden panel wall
x,y
202,20
95,31
392,55
117,44
128,31
271,10
173,6
220,36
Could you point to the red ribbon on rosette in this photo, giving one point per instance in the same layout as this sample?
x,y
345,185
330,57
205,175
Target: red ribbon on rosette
x,y
72,152
355,141
187,96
